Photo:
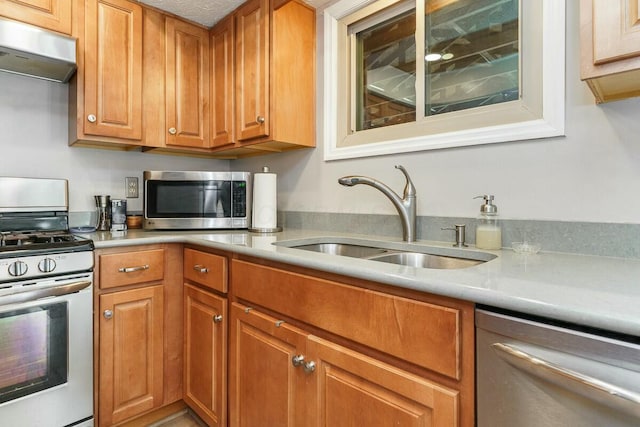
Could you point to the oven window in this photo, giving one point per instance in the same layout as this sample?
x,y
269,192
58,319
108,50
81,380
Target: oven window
x,y
33,350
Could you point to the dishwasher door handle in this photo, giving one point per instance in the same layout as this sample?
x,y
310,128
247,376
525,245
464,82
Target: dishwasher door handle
x,y
584,385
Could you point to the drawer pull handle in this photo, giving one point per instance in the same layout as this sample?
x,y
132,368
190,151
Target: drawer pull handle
x,y
133,269
217,318
279,323
200,268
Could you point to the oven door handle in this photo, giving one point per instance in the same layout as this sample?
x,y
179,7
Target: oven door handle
x,y
587,386
37,294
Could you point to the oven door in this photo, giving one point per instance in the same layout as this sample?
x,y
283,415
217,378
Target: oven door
x,y
46,353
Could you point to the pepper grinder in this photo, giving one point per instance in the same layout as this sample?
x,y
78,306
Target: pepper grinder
x,y
103,211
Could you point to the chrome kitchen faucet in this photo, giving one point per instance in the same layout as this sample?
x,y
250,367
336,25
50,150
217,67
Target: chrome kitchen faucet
x,y
406,206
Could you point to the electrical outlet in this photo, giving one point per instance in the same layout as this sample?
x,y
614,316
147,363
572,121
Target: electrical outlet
x,y
132,187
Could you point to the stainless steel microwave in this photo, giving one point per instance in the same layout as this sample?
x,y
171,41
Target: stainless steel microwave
x,y
175,200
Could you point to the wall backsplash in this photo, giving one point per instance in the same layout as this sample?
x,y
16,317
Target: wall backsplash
x,y
587,238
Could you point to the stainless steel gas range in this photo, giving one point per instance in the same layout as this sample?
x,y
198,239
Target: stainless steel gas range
x,y
46,328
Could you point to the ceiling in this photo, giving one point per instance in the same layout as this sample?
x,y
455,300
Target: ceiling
x,y
205,12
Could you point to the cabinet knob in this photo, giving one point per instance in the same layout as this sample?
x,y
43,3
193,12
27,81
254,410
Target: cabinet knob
x,y
217,318
297,360
172,131
91,118
108,314
260,119
309,367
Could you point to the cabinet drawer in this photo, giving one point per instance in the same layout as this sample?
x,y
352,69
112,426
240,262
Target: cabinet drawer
x,y
428,335
130,268
206,269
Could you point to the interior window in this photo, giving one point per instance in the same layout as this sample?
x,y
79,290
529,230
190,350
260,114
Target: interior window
x,y
410,75
471,54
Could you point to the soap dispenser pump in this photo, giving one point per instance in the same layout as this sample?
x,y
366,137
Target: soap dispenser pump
x,y
488,231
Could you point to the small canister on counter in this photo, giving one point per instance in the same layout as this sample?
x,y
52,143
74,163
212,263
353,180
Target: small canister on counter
x,y
118,214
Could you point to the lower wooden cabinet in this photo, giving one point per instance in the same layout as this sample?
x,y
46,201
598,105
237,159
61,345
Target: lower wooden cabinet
x,y
265,389
131,353
309,348
284,376
357,390
138,330
205,350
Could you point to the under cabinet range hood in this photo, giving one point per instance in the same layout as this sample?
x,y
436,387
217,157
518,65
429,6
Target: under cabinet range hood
x,y
34,52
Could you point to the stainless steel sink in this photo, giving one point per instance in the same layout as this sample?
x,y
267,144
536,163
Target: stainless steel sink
x,y
422,260
343,249
410,255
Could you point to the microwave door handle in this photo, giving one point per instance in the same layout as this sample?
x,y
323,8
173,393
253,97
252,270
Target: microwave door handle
x,y
210,200
20,297
592,388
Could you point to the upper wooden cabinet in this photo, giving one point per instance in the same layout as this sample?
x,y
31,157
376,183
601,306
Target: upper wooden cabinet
x,y
610,38
187,84
153,82
106,95
275,74
222,82
52,14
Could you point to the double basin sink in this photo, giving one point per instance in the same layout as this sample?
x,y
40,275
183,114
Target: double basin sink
x,y
409,255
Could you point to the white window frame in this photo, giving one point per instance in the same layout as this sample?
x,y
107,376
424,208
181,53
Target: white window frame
x,y
526,123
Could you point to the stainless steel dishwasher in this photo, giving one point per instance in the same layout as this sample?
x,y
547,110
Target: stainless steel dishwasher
x,y
535,373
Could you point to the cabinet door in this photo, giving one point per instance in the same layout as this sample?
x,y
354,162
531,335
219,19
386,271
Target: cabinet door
x,y
52,14
131,353
222,89
616,30
205,349
356,390
187,73
113,69
252,70
265,388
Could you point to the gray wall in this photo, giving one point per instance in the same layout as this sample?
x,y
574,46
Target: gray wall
x,y
592,174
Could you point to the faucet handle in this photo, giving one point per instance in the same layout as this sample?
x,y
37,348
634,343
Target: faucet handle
x,y
460,235
409,189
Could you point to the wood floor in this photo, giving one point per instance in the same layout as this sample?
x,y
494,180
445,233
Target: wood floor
x,y
185,418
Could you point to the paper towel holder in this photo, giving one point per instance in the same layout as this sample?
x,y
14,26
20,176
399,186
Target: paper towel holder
x,y
264,230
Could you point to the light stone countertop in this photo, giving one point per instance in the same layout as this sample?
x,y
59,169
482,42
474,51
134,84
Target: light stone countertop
x,y
593,291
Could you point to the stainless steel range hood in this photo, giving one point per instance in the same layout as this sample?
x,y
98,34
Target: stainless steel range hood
x,y
32,51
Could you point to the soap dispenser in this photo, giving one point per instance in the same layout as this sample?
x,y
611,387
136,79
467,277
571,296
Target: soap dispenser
x,y
488,231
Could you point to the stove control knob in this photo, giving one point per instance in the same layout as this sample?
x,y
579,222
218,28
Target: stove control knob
x,y
18,268
47,265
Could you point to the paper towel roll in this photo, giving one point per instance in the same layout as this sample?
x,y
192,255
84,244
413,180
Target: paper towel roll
x,y
264,215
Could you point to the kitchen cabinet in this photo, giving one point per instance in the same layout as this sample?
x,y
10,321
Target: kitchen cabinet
x,y
138,331
264,386
106,94
282,375
408,356
205,348
222,82
275,75
51,14
187,84
131,353
205,335
610,48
